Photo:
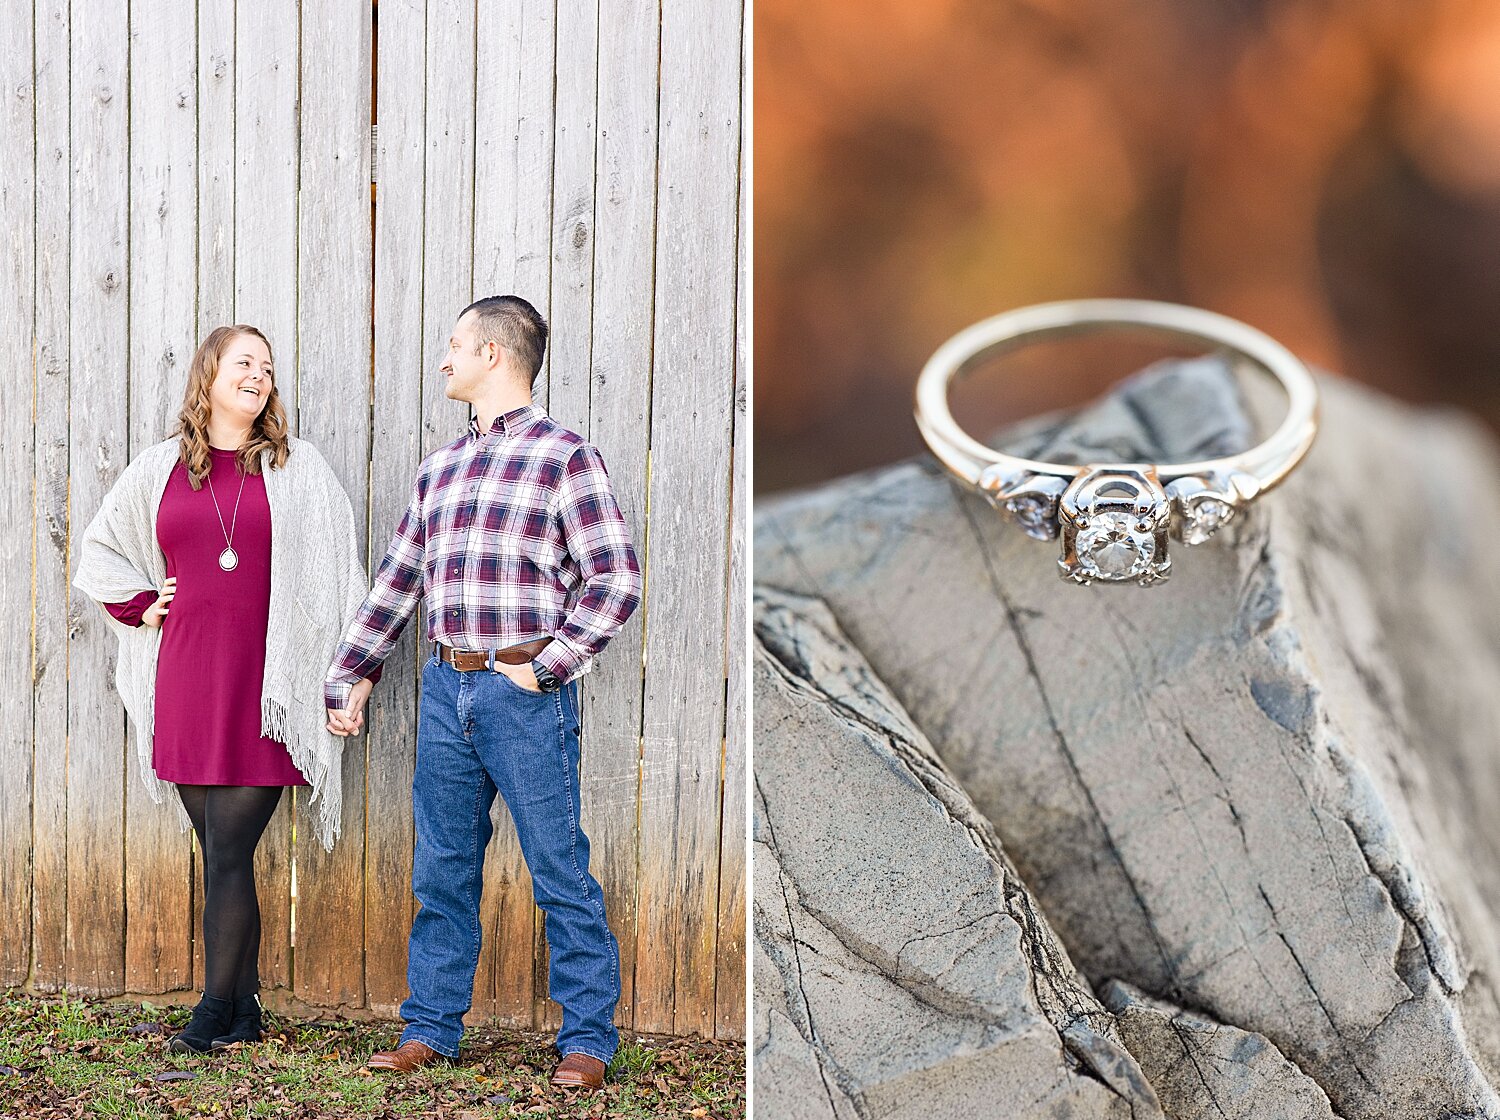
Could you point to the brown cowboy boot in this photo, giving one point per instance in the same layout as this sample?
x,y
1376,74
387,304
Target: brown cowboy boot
x,y
405,1058
578,1071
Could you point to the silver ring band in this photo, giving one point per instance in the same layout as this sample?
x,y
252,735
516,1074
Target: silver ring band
x,y
1114,519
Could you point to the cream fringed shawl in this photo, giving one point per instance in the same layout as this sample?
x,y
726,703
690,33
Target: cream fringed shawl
x,y
317,584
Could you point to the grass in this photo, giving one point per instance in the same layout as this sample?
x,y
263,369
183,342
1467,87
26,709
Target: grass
x,y
63,1057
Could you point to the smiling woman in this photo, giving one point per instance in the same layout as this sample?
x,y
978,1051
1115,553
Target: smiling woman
x,y
240,411
221,699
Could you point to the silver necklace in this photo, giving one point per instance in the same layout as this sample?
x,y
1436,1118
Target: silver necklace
x,y
229,559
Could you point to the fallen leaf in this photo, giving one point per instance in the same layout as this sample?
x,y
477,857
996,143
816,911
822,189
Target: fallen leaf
x,y
175,1075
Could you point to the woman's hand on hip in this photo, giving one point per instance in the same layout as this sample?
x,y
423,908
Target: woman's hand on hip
x,y
156,613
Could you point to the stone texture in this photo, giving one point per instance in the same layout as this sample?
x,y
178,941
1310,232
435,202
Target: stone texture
x,y
901,969
1263,790
1203,1070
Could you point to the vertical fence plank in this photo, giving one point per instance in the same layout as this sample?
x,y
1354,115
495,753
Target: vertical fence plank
x,y
449,236
729,968
511,245
620,388
162,281
17,292
692,391
216,165
513,123
400,355
265,296
49,673
215,290
571,282
333,307
571,296
97,344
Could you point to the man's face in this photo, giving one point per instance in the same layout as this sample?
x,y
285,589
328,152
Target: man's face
x,y
466,372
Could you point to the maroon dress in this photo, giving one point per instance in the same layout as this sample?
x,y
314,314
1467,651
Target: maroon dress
x,y
213,641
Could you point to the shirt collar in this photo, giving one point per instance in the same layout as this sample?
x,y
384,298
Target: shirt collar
x,y
509,423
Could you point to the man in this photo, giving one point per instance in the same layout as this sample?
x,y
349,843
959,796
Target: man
x,y
514,538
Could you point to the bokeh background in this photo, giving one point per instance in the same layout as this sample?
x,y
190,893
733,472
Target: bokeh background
x,y
1329,172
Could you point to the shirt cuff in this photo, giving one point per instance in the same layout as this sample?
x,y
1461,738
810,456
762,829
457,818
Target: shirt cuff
x,y
336,692
131,611
336,695
561,660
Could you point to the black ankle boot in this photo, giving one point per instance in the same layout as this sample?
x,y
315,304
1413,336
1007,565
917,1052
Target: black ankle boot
x,y
210,1019
246,1025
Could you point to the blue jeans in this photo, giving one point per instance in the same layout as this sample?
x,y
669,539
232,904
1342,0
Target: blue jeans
x,y
477,733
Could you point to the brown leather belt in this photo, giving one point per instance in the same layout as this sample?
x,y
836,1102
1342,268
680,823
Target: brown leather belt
x,y
468,660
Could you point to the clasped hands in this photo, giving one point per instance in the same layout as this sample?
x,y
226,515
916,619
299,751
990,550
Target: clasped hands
x,y
347,721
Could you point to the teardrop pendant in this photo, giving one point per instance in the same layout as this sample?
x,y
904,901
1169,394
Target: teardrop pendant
x,y
229,560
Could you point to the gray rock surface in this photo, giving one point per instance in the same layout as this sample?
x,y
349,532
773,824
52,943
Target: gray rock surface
x,y
901,969
1203,1070
1265,790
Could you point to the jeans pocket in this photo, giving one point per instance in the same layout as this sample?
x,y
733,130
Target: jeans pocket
x,y
507,683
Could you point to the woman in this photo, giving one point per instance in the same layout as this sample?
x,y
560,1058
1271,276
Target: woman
x,y
251,528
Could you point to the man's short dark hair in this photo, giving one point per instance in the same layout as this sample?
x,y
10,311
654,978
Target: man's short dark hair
x,y
515,325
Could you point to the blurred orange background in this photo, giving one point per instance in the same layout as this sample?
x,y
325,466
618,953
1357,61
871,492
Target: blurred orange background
x,y
1328,172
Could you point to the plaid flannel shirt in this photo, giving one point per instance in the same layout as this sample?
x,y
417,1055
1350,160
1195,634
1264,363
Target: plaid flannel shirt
x,y
511,535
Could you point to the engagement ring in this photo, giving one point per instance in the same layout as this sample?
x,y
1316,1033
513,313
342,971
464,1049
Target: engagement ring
x,y
1114,519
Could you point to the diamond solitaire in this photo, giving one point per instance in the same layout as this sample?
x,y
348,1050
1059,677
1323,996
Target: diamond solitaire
x,y
1114,527
1114,521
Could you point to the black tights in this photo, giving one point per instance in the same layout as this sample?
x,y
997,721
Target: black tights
x,y
229,821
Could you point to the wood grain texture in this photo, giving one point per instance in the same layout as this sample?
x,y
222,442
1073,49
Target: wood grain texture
x,y
729,945
692,395
17,455
98,345
48,816
400,357
216,164
619,424
571,296
163,282
333,390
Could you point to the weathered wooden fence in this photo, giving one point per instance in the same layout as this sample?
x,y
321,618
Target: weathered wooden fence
x,y
169,166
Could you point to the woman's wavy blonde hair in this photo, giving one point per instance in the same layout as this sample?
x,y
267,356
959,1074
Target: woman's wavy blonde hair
x,y
268,433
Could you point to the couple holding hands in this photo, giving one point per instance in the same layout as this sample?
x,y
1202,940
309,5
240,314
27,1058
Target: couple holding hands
x,y
226,559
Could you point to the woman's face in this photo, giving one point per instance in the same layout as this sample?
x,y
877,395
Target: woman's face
x,y
243,383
